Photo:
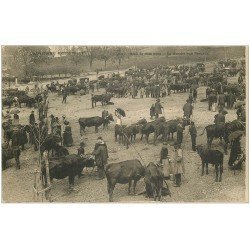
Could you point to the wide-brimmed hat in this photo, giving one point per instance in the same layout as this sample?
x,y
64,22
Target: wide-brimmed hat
x,y
99,138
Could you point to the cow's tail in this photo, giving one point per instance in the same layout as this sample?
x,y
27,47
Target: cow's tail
x,y
203,131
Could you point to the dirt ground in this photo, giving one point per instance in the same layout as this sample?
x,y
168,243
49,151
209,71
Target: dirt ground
x,y
17,185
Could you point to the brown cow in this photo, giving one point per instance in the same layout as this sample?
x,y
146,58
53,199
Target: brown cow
x,y
123,172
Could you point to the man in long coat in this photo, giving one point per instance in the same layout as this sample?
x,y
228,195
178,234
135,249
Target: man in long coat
x,y
158,108
178,168
101,157
188,109
15,146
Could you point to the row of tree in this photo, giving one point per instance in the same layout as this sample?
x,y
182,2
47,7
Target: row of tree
x,y
40,60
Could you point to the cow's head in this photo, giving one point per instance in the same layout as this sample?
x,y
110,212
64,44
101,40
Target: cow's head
x,y
110,118
199,149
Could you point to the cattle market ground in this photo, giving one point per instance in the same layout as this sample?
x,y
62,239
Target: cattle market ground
x,y
17,185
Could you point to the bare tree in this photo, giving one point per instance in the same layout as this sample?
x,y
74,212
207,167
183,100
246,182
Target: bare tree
x,y
92,53
105,54
119,54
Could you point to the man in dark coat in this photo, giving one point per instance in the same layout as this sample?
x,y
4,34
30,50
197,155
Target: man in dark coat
x,y
164,152
105,115
64,95
67,136
195,95
193,133
32,119
81,150
179,133
101,157
219,118
158,108
235,151
212,98
188,109
15,146
221,100
230,100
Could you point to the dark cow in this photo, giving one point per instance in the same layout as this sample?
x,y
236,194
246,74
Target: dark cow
x,y
212,156
235,125
28,101
179,87
95,121
216,131
123,172
222,131
7,154
66,166
50,143
154,181
60,150
8,101
149,127
71,89
104,99
22,133
131,131
119,132
169,127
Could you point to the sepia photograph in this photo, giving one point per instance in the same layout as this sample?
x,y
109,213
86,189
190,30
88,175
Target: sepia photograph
x,y
124,124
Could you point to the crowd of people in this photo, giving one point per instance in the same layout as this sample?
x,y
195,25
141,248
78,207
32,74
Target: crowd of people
x,y
42,125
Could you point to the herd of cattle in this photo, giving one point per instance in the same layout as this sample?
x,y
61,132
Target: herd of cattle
x,y
170,79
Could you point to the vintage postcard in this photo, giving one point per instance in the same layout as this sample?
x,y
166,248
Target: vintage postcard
x,y
124,124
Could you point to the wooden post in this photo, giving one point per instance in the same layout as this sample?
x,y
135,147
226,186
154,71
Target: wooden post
x,y
35,187
47,181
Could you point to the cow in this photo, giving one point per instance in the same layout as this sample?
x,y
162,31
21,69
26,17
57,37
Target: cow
x,y
60,150
22,133
212,156
71,89
95,121
154,181
7,154
119,131
8,101
123,172
28,101
216,131
50,143
149,127
104,99
132,130
66,166
222,131
169,127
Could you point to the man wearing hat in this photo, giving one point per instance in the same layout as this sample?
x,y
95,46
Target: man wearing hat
x,y
178,168
165,161
32,119
193,133
188,109
101,157
67,135
158,108
81,150
219,118
180,130
15,146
